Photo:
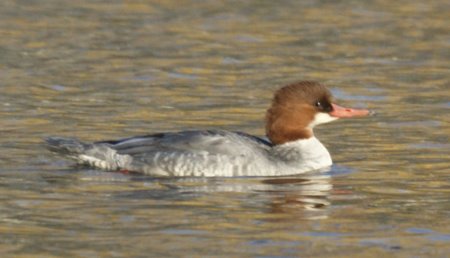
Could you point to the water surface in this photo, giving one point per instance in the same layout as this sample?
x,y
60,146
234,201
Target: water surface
x,y
107,69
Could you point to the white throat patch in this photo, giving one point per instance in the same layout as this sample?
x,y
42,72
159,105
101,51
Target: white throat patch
x,y
321,118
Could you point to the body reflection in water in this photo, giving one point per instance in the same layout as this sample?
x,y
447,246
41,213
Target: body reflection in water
x,y
306,196
309,193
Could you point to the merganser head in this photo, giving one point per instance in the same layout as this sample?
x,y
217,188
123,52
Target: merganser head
x,y
298,107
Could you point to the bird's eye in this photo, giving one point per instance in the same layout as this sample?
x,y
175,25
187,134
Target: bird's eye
x,y
318,104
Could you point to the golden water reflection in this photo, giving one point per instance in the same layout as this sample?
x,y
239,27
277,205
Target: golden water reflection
x,y
109,69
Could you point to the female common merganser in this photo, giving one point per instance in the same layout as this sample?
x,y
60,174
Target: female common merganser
x,y
296,109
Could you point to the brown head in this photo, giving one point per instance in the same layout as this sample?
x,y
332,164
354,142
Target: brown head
x,y
298,107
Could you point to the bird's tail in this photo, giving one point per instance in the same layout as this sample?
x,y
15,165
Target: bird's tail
x,y
66,146
99,155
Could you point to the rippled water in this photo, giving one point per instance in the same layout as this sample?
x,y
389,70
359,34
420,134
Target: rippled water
x,y
106,69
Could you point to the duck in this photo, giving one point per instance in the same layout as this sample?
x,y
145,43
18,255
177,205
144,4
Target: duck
x,y
289,148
